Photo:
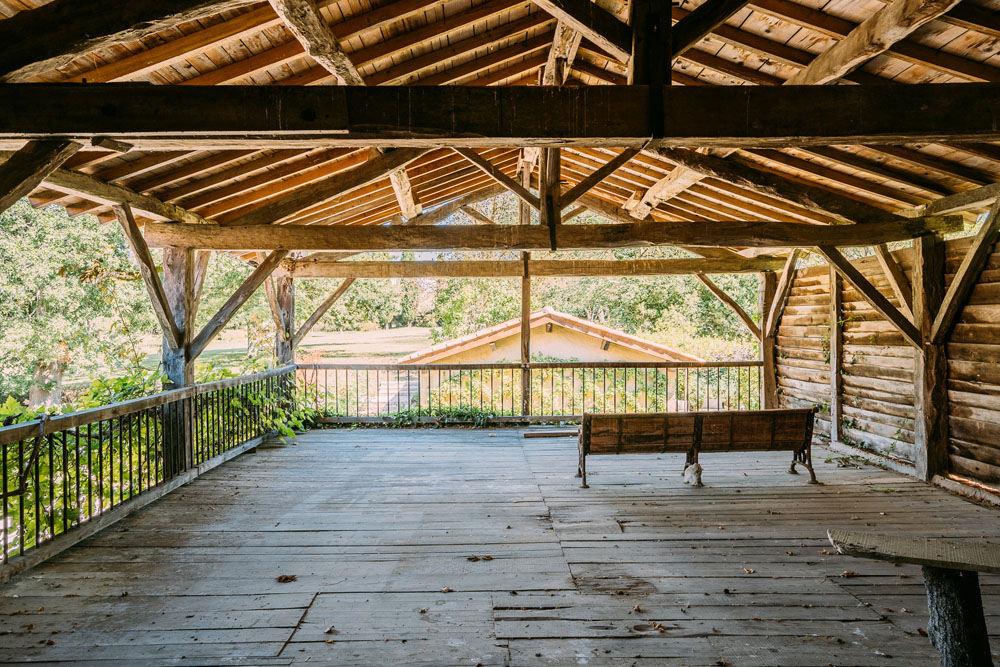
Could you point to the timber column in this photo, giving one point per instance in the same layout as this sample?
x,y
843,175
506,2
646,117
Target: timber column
x,y
930,363
284,296
178,366
766,291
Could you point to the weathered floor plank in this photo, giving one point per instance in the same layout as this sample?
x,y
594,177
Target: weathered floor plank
x,y
458,547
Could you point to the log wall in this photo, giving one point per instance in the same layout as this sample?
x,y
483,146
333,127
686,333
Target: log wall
x,y
877,366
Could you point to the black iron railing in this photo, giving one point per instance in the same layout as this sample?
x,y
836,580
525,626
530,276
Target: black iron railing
x,y
536,391
62,471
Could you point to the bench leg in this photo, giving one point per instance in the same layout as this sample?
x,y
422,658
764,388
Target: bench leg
x,y
583,472
957,627
795,459
808,463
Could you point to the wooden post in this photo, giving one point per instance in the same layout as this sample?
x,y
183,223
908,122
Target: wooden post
x,y
836,348
178,366
525,336
284,351
957,626
767,288
930,368
766,292
649,64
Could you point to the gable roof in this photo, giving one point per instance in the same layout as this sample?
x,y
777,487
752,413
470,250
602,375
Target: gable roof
x,y
539,318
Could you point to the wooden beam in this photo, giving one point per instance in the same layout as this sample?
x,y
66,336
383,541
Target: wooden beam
x,y
965,279
374,169
150,277
42,39
109,194
234,303
476,216
836,353
875,35
731,304
562,53
930,363
320,312
597,25
882,305
24,170
532,237
409,205
701,21
674,183
977,198
897,279
324,268
605,170
497,175
304,20
770,324
614,116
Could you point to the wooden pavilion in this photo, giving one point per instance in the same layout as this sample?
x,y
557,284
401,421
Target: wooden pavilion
x,y
299,133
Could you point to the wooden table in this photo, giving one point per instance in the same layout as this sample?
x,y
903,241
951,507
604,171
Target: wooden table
x,y
957,626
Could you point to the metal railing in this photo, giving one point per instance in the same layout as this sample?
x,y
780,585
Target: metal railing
x,y
496,392
62,471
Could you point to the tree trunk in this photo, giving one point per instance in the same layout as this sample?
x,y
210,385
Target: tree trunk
x,y
46,388
957,626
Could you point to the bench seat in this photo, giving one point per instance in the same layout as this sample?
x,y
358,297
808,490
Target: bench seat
x,y
693,433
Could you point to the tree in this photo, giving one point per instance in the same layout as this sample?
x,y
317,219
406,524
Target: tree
x,y
69,297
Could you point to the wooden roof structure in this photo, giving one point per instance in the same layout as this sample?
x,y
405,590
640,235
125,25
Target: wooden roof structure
x,y
504,46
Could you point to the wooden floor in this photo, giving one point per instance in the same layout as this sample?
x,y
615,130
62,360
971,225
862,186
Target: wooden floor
x,y
378,530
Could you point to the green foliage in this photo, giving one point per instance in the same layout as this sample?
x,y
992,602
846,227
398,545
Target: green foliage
x,y
69,296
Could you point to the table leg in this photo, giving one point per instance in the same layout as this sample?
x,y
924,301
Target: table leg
x,y
957,626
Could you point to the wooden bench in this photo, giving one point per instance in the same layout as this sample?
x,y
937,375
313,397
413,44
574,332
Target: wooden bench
x,y
957,626
694,433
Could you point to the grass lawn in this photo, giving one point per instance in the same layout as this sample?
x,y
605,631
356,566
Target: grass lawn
x,y
384,346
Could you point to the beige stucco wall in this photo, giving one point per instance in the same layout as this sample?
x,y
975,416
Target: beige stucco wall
x,y
561,343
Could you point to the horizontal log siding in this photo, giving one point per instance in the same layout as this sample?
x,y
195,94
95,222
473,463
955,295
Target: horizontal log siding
x,y
877,366
974,375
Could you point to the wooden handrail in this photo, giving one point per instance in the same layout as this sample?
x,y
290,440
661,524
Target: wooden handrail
x,y
56,423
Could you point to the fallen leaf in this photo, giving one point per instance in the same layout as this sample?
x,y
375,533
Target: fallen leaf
x,y
330,630
472,558
286,578
423,611
749,570
445,589
487,557
923,633
848,574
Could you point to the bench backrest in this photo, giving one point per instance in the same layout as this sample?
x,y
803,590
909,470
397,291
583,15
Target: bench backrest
x,y
678,432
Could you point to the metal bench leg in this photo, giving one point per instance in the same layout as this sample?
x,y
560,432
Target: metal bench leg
x,y
583,471
808,463
795,458
957,626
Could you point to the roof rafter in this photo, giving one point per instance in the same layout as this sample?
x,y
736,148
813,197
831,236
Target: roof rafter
x,y
42,39
599,26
